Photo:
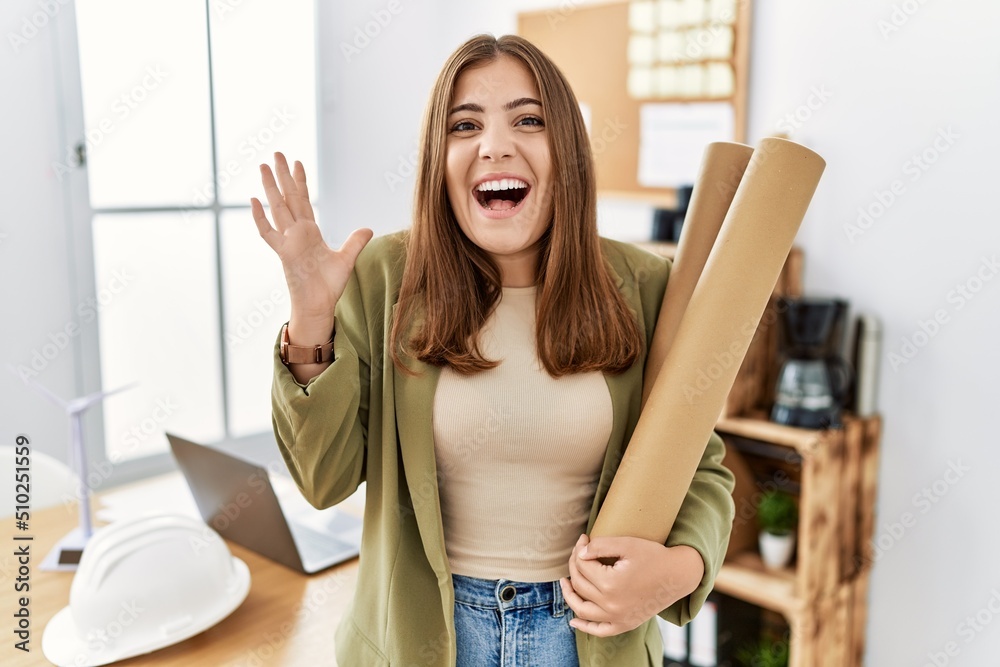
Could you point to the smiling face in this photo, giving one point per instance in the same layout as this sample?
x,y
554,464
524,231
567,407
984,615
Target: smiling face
x,y
498,165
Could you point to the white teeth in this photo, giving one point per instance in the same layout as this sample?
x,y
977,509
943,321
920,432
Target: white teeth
x,y
502,184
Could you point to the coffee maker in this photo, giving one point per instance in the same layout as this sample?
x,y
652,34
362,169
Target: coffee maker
x,y
814,379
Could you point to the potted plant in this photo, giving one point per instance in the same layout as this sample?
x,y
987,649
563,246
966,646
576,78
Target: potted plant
x,y
778,516
764,654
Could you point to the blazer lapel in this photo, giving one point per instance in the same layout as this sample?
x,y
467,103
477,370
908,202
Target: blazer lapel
x,y
625,398
414,399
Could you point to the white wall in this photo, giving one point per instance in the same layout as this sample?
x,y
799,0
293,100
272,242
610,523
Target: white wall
x,y
888,100
36,262
373,91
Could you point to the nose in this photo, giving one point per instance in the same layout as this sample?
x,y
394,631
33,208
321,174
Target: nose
x,y
497,142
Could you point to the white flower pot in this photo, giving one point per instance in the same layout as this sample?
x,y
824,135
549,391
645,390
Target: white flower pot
x,y
776,550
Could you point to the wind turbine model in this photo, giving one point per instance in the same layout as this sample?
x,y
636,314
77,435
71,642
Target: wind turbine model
x,y
66,553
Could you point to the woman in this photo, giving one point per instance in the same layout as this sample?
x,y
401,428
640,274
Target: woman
x,y
483,376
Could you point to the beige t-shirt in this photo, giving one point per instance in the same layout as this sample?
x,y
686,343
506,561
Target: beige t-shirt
x,y
518,453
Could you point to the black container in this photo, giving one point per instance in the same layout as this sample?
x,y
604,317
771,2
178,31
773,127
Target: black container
x,y
815,379
667,222
812,328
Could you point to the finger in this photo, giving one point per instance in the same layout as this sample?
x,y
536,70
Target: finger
x,y
586,585
596,628
601,577
581,544
355,243
611,548
589,616
581,608
282,215
267,232
300,181
288,187
583,582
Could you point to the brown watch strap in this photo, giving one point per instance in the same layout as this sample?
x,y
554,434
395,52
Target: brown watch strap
x,y
303,354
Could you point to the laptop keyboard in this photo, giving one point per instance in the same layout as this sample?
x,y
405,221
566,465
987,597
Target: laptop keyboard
x,y
315,546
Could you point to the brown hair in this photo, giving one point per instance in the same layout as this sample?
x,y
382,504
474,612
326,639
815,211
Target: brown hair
x,y
583,321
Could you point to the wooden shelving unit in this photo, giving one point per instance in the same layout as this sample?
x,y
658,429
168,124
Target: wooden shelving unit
x,y
824,595
744,577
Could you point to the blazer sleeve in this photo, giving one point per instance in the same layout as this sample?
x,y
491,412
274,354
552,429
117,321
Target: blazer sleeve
x,y
322,426
704,523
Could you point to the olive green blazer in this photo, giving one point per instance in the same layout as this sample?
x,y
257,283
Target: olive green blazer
x,y
362,420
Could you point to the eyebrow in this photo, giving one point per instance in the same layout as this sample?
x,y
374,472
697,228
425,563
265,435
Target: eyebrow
x,y
510,106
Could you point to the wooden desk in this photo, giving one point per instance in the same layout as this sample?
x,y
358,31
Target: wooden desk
x,y
287,618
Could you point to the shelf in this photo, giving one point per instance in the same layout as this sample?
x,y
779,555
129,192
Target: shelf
x,y
803,440
744,576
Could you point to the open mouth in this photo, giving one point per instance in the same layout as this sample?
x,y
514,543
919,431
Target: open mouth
x,y
502,195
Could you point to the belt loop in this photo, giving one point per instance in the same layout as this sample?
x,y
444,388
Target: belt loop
x,y
558,603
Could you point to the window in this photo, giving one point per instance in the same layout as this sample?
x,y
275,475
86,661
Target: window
x,y
182,101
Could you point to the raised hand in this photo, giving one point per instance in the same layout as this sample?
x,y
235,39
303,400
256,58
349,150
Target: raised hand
x,y
315,273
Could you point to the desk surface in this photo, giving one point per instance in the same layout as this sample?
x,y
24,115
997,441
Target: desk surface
x,y
287,618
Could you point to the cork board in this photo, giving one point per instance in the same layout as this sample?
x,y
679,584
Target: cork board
x,y
590,45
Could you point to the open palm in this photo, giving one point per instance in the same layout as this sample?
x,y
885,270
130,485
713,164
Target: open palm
x,y
316,274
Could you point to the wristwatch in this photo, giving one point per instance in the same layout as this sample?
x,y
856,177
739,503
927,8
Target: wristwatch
x,y
303,354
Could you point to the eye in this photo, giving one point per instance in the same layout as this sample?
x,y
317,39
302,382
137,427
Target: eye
x,y
531,121
463,126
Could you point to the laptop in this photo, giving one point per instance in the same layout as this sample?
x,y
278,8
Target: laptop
x,y
236,498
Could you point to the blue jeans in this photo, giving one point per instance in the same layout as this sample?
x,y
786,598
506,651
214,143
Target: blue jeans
x,y
503,623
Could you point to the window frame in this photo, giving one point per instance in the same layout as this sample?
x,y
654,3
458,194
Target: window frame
x,y
79,215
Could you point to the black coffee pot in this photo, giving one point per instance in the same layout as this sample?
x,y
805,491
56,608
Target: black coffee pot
x,y
814,380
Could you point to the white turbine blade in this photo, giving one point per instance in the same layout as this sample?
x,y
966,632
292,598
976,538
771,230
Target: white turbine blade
x,y
40,389
84,402
122,388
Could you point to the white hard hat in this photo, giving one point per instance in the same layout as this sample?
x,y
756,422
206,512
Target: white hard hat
x,y
144,584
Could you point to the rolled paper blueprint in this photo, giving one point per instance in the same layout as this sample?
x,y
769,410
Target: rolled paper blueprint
x,y
714,335
721,171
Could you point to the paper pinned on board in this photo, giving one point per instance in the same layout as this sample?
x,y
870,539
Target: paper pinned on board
x,y
642,15
672,138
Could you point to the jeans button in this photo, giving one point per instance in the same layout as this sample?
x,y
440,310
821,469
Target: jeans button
x,y
507,593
